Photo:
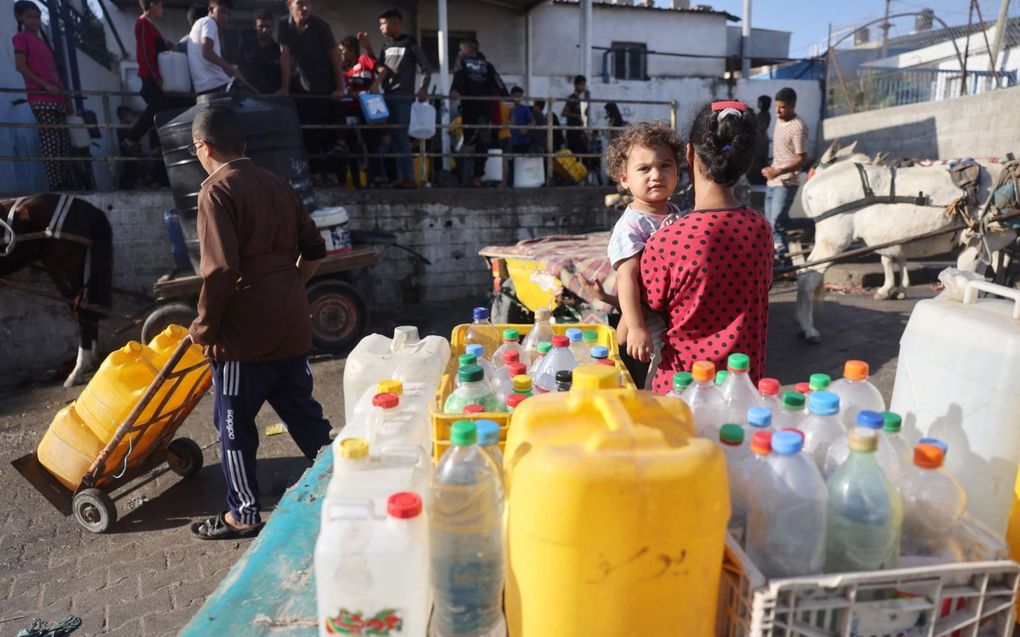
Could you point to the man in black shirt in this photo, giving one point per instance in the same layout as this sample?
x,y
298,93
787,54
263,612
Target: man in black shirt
x,y
474,76
577,140
260,58
397,61
307,44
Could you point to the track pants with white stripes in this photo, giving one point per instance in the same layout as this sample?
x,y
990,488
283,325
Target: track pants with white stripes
x,y
241,389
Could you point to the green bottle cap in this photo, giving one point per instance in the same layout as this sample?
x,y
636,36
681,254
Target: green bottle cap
x,y
892,422
731,434
511,334
793,400
738,363
463,432
466,360
720,376
544,347
818,382
681,380
590,336
470,374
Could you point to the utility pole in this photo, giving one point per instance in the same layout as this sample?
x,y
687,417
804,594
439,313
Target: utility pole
x,y
885,30
1000,28
745,42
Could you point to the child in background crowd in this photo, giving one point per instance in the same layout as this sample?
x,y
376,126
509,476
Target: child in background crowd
x,y
643,160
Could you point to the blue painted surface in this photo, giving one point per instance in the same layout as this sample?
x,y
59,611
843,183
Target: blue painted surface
x,y
271,589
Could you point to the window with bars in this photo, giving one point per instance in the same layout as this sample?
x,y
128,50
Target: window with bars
x,y
630,61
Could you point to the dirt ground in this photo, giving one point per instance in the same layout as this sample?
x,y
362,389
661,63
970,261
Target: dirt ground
x,y
148,577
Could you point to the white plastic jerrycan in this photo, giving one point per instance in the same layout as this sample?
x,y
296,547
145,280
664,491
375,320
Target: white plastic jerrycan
x,y
414,398
362,472
405,357
371,567
958,380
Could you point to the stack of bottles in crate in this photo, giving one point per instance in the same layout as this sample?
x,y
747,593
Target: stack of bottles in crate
x,y
828,482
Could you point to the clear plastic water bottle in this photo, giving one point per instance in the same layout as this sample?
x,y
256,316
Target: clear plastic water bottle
x,y
737,389
792,413
865,514
822,426
786,512
467,360
541,352
590,339
564,380
708,408
581,352
482,332
768,389
488,440
681,381
510,344
759,419
720,377
819,382
598,352
933,505
558,360
473,390
839,450
855,392
739,466
479,353
506,384
465,516
892,438
501,375
541,332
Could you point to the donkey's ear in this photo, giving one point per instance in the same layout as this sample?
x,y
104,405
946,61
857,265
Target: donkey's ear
x,y
829,155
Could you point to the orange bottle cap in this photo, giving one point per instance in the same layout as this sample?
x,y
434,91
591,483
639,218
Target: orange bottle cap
x,y
703,371
928,456
855,370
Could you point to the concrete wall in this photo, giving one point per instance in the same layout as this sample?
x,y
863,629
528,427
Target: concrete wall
x,y
983,125
448,227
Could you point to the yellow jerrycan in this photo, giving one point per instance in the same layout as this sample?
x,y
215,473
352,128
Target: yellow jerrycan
x,y
616,515
69,448
113,392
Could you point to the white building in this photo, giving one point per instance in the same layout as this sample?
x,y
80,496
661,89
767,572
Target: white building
x,y
638,52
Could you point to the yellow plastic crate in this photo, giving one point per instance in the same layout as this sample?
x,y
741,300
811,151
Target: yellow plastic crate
x,y
442,422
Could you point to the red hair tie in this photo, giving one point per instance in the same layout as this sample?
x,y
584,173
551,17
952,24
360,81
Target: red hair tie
x,y
723,105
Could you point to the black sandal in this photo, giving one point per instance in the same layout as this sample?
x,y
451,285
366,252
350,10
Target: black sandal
x,y
217,528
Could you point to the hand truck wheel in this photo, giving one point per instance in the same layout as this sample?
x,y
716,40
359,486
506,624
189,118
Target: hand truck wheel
x,y
184,457
94,510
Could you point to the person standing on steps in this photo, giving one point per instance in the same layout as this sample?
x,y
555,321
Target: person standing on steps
x,y
789,155
253,319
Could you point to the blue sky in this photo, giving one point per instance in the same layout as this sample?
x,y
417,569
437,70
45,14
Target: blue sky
x,y
808,20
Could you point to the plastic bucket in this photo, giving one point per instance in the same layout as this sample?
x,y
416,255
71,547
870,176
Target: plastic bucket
x,y
333,224
529,172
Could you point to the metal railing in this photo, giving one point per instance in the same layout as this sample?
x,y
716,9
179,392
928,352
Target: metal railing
x,y
103,131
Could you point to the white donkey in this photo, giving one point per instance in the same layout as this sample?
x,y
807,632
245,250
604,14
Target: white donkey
x,y
903,202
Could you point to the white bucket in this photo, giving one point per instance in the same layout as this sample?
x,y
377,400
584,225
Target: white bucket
x,y
494,166
176,73
79,134
529,172
333,224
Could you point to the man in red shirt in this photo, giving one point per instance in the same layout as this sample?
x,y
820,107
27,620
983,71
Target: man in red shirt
x,y
149,43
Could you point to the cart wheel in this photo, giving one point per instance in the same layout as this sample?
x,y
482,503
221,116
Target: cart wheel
x,y
339,315
174,313
94,510
184,457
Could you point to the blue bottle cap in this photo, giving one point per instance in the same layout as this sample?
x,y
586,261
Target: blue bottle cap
x,y
759,417
575,335
935,441
787,443
823,403
480,313
870,419
475,349
600,351
488,432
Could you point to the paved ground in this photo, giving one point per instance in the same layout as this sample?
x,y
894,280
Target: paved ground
x,y
149,577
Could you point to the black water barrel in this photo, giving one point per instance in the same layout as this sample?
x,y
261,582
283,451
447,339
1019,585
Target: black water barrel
x,y
274,143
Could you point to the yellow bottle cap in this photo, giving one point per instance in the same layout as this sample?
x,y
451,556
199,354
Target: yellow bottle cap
x,y
588,377
863,440
522,383
353,448
390,387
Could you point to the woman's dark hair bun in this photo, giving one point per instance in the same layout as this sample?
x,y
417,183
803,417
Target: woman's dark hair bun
x,y
725,144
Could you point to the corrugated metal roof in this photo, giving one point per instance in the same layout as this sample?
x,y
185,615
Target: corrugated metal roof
x,y
642,7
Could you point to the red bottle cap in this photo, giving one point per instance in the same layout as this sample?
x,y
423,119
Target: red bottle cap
x,y
803,388
511,356
386,400
517,369
474,409
404,505
515,399
560,341
768,387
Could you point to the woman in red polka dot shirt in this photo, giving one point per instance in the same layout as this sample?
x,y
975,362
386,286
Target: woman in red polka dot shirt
x,y
709,272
